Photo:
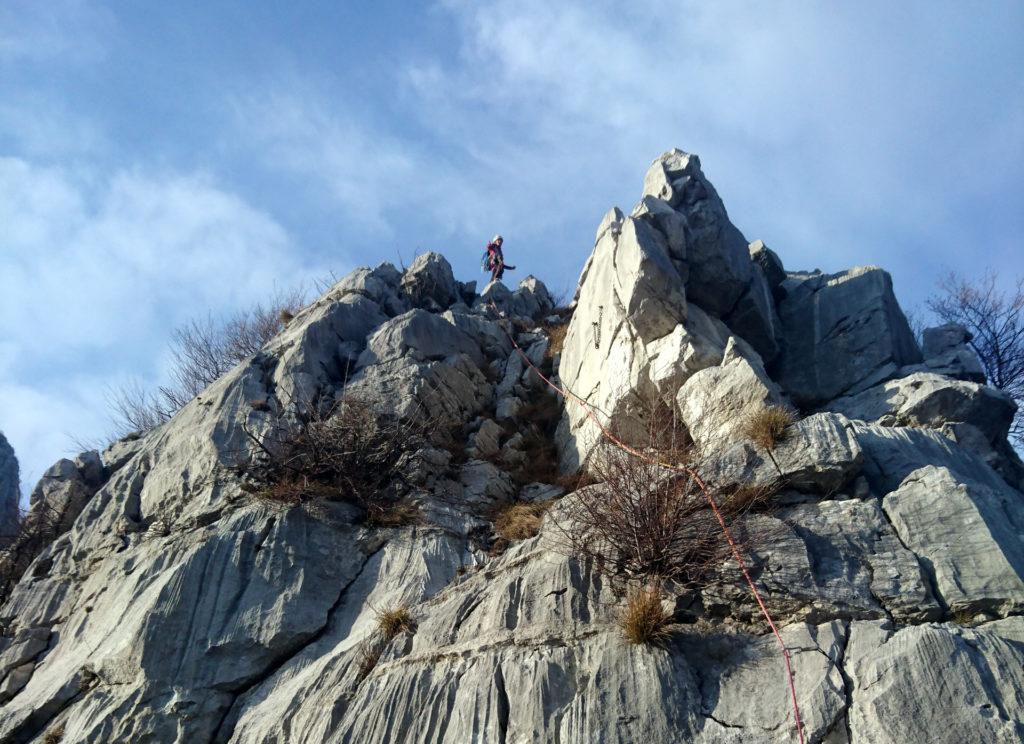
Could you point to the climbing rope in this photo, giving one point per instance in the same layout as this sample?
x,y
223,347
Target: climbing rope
x,y
686,470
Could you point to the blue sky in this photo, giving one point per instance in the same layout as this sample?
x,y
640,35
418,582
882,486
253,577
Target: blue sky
x,y
159,161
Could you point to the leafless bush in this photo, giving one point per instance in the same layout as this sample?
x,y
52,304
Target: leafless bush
x,y
648,520
995,319
341,451
201,352
36,530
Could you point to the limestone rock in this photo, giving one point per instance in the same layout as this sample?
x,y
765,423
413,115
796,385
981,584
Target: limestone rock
x,y
715,402
842,333
429,282
770,264
420,336
946,353
968,536
940,684
10,488
925,399
716,252
630,294
754,317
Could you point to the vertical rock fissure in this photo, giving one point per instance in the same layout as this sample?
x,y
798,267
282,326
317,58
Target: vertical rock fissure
x,y
226,726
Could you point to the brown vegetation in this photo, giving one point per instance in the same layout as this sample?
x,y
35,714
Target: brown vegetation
x,y
394,621
644,619
646,519
766,426
54,735
556,337
35,531
341,451
520,521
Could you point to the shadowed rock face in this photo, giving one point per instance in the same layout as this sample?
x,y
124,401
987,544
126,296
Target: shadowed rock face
x,y
10,488
175,606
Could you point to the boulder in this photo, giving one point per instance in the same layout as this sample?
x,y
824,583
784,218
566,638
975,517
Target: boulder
x,y
842,333
381,285
429,282
530,300
926,399
714,403
946,352
968,537
419,336
817,454
940,684
716,252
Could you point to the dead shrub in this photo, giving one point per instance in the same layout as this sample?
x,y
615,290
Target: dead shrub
x,y
201,352
644,619
368,656
36,530
394,621
54,735
766,426
342,451
646,519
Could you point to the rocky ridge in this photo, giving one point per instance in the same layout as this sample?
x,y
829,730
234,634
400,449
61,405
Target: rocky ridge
x,y
175,606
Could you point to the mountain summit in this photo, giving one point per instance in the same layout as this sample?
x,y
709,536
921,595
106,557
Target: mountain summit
x,y
390,525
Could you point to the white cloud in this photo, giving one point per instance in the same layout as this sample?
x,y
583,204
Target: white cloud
x,y
74,30
95,271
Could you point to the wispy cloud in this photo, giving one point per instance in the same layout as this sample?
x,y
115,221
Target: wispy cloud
x,y
96,270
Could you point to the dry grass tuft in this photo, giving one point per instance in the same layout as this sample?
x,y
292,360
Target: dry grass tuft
x,y
520,521
368,656
259,404
55,735
286,316
741,499
401,514
556,335
644,619
394,621
767,425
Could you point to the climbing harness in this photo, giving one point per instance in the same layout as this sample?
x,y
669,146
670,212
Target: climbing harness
x,y
686,470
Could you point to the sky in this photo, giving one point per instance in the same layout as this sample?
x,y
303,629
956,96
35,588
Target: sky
x,y
163,161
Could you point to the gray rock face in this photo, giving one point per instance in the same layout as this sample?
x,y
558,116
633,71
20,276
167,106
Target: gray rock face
x,y
10,488
755,319
716,252
176,605
429,282
842,334
968,536
769,262
715,402
936,683
925,399
946,353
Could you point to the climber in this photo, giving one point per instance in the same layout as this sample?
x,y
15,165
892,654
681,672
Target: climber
x,y
494,259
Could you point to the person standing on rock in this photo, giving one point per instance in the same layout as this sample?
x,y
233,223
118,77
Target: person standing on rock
x,y
495,259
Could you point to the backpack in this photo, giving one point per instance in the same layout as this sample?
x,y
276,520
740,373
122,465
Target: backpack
x,y
485,261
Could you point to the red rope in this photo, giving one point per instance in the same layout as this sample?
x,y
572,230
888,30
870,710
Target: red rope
x,y
711,501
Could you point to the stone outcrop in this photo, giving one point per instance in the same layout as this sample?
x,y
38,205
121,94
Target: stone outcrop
x,y
842,334
931,400
179,603
10,488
